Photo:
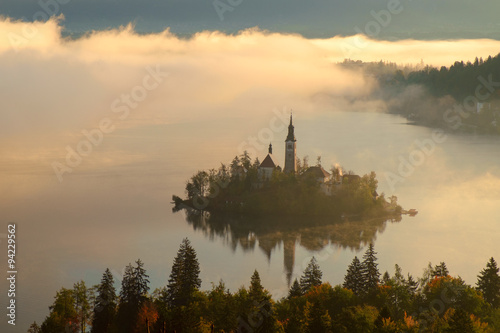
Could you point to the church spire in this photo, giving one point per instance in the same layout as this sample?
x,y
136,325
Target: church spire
x,y
290,149
291,134
270,148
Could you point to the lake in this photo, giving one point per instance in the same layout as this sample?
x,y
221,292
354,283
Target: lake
x,y
115,207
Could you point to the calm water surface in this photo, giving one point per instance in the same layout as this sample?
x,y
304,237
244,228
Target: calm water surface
x,y
115,207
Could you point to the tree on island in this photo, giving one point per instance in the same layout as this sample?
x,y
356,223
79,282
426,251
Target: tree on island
x,y
311,277
105,305
488,282
241,188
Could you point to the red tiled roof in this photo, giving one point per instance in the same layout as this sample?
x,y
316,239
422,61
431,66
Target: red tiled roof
x,y
318,172
268,162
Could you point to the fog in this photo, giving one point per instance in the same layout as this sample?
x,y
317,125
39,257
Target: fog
x,y
53,85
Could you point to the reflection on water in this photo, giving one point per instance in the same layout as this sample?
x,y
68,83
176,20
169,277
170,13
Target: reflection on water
x,y
269,233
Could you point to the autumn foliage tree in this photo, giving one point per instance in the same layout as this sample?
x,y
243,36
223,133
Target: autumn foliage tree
x,y
148,315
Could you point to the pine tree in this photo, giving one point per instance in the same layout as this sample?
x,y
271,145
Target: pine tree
x,y
317,319
184,277
370,273
488,282
353,279
105,306
295,290
259,312
34,328
256,290
132,295
440,270
141,282
312,276
412,284
386,278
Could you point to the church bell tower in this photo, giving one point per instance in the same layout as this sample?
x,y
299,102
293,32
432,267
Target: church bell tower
x,y
290,150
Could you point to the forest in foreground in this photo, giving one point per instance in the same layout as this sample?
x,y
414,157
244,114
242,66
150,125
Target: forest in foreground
x,y
367,301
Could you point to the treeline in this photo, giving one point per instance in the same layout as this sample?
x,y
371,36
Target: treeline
x,y
239,188
460,79
459,97
365,302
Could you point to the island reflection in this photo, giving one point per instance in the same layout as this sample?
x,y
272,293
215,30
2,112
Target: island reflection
x,y
313,234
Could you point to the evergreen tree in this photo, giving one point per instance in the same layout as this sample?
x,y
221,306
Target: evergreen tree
x,y
256,290
34,328
353,279
370,273
440,270
245,160
105,306
141,282
317,319
222,310
488,282
312,276
184,278
132,295
386,278
259,312
295,290
412,284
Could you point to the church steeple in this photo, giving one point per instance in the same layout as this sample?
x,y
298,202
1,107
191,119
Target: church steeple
x,y
291,134
290,149
270,149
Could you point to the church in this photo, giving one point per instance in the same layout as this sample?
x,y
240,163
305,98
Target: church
x,y
269,164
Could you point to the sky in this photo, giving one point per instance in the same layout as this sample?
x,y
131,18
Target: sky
x,y
422,19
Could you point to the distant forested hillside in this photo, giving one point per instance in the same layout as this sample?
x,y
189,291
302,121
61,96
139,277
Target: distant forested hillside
x,y
463,96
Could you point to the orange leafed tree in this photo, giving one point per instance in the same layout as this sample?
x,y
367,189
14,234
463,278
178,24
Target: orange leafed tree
x,y
148,315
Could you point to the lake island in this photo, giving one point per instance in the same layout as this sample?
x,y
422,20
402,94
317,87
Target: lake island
x,y
265,189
